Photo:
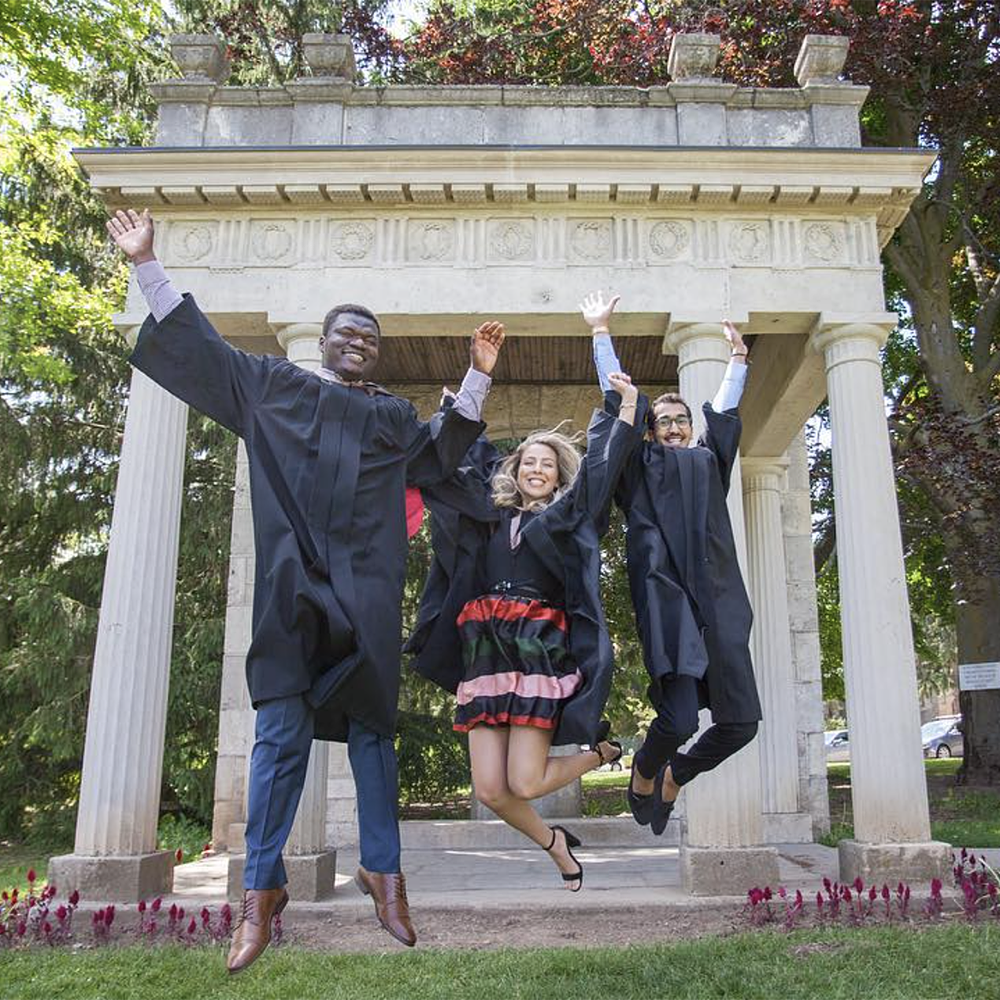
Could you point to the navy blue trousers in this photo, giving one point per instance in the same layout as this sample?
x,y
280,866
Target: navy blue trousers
x,y
284,736
675,723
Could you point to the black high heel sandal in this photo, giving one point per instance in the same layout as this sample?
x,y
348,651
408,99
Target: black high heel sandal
x,y
571,842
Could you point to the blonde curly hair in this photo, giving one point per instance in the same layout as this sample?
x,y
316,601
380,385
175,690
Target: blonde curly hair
x,y
505,489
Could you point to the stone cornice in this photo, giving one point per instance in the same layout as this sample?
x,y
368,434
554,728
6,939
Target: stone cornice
x,y
712,91
873,181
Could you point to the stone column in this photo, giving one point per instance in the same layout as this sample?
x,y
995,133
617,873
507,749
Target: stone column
x,y
763,482
803,622
310,866
888,786
236,715
115,855
721,850
342,800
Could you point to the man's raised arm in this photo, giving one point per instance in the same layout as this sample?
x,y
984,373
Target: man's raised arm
x,y
439,446
731,391
177,346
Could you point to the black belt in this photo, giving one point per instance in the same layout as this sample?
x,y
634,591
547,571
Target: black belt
x,y
510,588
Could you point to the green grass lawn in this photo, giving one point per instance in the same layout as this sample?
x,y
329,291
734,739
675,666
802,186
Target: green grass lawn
x,y
965,817
888,963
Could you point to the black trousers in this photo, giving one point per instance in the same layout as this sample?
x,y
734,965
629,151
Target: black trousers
x,y
676,722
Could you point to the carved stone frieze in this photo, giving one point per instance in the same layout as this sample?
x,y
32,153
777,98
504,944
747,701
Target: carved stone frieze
x,y
390,240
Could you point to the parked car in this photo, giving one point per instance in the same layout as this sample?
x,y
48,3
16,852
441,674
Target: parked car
x,y
942,737
837,745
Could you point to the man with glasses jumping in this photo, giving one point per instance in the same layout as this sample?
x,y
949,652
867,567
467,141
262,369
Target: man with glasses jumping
x,y
691,606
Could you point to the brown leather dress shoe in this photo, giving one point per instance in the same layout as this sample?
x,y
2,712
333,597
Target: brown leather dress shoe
x,y
252,933
391,907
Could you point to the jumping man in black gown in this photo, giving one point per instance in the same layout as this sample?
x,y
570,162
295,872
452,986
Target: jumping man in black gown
x,y
691,606
330,457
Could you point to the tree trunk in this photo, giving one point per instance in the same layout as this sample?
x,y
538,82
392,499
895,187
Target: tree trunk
x,y
978,628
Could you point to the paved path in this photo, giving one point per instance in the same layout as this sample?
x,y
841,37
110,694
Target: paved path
x,y
465,878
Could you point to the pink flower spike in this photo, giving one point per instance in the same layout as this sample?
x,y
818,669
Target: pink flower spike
x,y
859,886
885,891
179,855
157,903
872,894
142,906
61,914
192,927
74,898
31,875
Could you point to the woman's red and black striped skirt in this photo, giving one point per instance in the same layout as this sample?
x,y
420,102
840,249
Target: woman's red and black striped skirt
x,y
518,671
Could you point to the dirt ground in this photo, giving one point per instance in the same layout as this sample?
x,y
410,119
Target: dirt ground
x,y
493,928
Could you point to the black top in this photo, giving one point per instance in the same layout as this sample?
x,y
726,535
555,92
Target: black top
x,y
521,570
329,466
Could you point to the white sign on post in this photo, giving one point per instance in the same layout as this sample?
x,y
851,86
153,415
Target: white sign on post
x,y
978,676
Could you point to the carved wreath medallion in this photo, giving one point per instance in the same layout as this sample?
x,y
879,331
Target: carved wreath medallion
x,y
668,239
512,240
352,240
191,243
748,242
591,240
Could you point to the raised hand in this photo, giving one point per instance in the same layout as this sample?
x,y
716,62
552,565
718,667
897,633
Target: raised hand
x,y
597,312
446,396
133,233
738,349
622,384
485,347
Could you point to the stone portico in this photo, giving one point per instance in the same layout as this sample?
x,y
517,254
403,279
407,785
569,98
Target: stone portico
x,y
442,206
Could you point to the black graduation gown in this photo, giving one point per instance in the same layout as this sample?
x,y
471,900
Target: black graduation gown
x,y
565,537
691,606
329,465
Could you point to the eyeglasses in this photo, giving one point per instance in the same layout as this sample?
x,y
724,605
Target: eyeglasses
x,y
665,421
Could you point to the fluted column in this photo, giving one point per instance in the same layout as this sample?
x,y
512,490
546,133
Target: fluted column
x,y
763,480
236,715
720,850
888,784
115,854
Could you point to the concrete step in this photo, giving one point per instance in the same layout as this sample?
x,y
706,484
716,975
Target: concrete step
x,y
491,835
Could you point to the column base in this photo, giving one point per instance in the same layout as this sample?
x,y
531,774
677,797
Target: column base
x,y
892,863
311,877
727,871
113,879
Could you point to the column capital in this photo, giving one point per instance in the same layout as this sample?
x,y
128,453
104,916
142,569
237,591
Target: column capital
x,y
300,342
831,327
696,340
764,473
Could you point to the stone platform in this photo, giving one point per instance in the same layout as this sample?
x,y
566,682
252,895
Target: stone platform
x,y
624,866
